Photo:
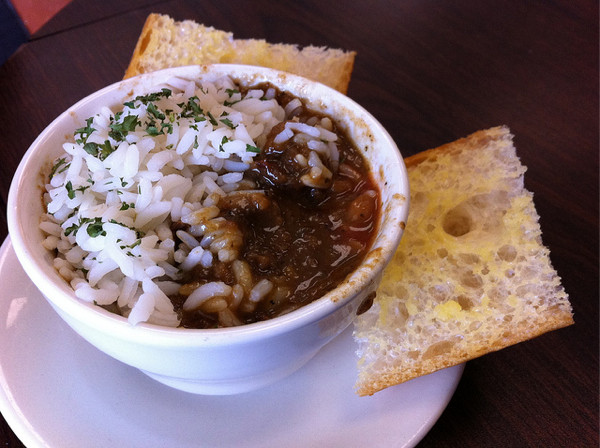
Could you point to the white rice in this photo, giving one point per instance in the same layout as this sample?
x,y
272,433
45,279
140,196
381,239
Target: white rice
x,y
111,199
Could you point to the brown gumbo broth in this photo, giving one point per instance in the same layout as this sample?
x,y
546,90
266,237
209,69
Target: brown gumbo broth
x,y
303,236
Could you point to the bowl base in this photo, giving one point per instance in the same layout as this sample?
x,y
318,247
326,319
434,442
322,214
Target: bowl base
x,y
229,386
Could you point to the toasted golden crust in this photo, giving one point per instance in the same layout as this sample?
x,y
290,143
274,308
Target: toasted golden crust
x,y
142,44
165,43
471,275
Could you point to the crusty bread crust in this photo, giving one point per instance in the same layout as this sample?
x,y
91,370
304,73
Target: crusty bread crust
x,y
473,142
134,67
471,275
165,43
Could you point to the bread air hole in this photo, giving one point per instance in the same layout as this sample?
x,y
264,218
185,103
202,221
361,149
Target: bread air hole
x,y
469,259
507,253
471,280
465,302
483,211
458,221
439,348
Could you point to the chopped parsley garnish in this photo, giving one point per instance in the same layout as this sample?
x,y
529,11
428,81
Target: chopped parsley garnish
x,y
126,206
71,229
91,148
84,132
153,110
231,92
59,166
212,119
223,141
250,148
227,122
152,131
100,151
132,245
120,130
71,191
192,109
95,228
159,122
167,126
145,99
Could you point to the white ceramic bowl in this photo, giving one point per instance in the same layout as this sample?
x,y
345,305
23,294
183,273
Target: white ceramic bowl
x,y
216,361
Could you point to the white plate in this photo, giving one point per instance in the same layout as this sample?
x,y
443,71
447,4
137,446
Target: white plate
x,y
58,391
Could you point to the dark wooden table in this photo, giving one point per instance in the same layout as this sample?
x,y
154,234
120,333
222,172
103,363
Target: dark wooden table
x,y
431,72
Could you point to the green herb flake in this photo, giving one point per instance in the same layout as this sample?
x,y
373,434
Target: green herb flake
x,y
70,191
212,119
84,132
95,229
145,99
127,206
250,148
154,111
152,131
59,166
71,229
227,122
120,130
192,109
167,126
223,141
91,148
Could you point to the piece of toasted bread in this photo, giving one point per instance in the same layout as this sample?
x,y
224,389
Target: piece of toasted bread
x,y
470,276
165,43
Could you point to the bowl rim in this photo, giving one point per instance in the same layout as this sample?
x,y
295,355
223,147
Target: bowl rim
x,y
61,296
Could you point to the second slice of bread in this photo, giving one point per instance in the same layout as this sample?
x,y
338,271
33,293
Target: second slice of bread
x,y
165,43
470,276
